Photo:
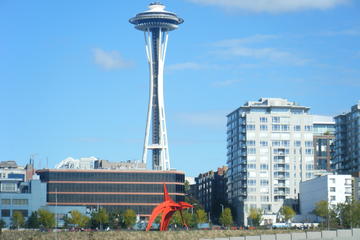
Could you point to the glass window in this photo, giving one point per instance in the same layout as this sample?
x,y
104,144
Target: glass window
x,y
285,128
332,189
263,143
264,198
297,143
264,166
251,150
263,127
276,119
276,127
308,128
5,212
250,127
332,180
20,202
263,119
264,182
297,128
332,198
5,201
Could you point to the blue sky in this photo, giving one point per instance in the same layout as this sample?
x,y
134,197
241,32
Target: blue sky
x,y
74,77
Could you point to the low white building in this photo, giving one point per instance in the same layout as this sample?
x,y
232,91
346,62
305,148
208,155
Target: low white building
x,y
332,188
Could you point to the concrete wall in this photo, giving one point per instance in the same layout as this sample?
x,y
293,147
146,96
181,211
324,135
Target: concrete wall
x,y
341,234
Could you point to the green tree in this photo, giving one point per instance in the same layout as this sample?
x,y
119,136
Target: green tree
x,y
255,216
116,220
46,219
129,218
226,218
17,219
287,212
348,214
78,219
322,210
2,225
201,216
33,220
100,218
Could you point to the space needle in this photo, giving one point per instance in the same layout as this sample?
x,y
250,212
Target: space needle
x,y
156,22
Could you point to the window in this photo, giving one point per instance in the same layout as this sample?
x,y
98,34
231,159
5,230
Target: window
x,y
8,187
264,167
297,143
309,167
250,143
308,128
308,151
332,189
251,166
251,189
263,127
251,150
297,128
266,207
276,119
285,128
332,198
285,143
5,201
264,182
20,202
348,181
263,119
264,198
332,180
251,182
263,143
250,127
251,198
5,212
276,127
308,143
276,143
348,190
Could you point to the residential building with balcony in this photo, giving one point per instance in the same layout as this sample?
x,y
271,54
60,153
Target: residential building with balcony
x,y
324,135
269,152
346,157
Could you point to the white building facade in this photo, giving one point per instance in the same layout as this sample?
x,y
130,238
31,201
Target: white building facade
x,y
331,188
269,152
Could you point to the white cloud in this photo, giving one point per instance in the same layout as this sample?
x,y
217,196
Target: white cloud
x,y
346,32
237,48
110,59
225,83
272,6
186,66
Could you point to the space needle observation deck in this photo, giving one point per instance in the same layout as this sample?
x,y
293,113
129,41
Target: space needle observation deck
x,y
156,22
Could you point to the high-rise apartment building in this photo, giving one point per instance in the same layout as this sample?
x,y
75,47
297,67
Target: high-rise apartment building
x,y
270,151
324,135
346,157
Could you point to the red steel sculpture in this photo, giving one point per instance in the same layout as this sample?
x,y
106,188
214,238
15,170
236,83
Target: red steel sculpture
x,y
167,209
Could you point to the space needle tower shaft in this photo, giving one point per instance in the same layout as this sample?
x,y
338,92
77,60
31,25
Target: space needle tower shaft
x,y
156,23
